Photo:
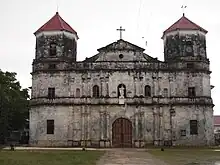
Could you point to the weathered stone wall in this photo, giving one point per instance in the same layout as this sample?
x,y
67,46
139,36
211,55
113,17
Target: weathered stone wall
x,y
79,123
121,56
65,45
67,83
38,125
184,44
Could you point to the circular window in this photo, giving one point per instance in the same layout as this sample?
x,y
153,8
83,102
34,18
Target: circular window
x,y
121,56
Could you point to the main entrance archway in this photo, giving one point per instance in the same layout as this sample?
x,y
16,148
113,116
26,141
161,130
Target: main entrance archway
x,y
122,133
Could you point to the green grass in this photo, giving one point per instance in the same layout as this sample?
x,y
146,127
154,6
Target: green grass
x,y
49,157
187,156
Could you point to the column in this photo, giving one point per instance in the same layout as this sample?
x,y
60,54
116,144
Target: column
x,y
171,93
159,86
107,88
136,123
104,93
83,88
156,124
173,125
136,127
155,86
141,88
161,125
89,87
143,127
101,87
101,123
108,125
82,123
135,86
89,129
86,88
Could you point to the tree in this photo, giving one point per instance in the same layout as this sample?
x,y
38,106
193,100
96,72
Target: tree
x,y
14,104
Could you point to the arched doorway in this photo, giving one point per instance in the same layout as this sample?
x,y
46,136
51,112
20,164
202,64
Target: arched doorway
x,y
122,133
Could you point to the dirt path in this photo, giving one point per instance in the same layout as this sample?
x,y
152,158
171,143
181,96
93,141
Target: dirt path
x,y
128,157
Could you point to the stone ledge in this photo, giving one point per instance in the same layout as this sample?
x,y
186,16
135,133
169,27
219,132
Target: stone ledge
x,y
128,101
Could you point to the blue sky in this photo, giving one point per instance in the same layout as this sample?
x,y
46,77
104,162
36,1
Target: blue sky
x,y
96,22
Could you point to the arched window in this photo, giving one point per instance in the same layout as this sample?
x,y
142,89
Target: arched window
x,y
147,91
121,90
95,91
53,49
77,92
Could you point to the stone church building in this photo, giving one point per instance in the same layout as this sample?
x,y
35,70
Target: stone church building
x,y
121,97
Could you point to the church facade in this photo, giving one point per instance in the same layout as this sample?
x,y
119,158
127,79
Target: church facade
x,y
121,97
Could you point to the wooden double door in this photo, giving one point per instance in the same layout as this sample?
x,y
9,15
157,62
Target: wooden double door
x,y
122,133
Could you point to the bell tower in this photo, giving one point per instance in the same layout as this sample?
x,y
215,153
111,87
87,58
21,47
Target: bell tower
x,y
56,45
184,40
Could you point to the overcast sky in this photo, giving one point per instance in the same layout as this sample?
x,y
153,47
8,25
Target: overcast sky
x,y
96,22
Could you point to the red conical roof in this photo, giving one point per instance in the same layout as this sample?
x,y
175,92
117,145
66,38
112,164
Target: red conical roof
x,y
184,24
56,23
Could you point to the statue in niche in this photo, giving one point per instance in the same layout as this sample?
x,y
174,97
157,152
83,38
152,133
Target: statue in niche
x,y
121,92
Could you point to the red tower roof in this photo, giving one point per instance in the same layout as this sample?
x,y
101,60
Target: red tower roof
x,y
216,120
184,24
56,23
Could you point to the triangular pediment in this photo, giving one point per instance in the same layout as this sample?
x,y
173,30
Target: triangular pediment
x,y
121,45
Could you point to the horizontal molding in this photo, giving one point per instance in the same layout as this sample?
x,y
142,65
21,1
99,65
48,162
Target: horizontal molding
x,y
129,101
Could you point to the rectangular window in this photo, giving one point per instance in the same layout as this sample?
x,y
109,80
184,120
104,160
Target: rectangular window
x,y
193,127
50,126
52,66
191,92
51,93
190,65
53,50
165,92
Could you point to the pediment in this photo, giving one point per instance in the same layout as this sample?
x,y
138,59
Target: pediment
x,y
121,45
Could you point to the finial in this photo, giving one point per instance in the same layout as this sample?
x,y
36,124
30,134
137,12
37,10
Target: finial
x,y
183,8
57,8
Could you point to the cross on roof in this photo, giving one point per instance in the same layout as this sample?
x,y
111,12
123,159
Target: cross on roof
x,y
120,29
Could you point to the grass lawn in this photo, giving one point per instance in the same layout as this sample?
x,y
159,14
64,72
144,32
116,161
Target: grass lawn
x,y
188,156
49,157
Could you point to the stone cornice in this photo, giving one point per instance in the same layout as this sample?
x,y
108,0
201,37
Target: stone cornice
x,y
129,101
171,70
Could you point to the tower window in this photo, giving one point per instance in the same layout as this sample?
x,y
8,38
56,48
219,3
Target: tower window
x,y
191,92
95,91
190,65
52,66
51,93
77,92
53,49
147,91
50,126
165,92
193,127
